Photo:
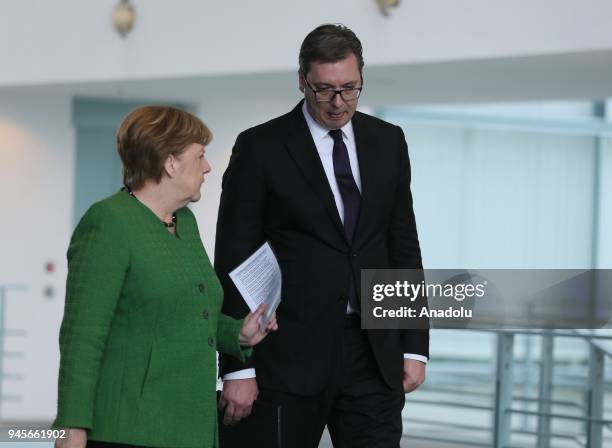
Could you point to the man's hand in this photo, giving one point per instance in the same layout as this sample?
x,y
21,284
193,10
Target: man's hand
x,y
414,374
237,399
75,438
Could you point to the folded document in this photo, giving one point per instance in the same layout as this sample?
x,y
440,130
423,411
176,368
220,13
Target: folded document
x,y
259,280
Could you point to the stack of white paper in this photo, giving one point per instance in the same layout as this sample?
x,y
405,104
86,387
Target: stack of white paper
x,y
259,281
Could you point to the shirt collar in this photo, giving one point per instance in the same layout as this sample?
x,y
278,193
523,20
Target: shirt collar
x,y
319,132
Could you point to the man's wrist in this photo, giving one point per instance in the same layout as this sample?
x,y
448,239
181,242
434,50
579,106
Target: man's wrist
x,y
240,375
416,357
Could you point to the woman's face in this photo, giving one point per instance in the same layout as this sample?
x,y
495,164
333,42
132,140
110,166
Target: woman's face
x,y
191,166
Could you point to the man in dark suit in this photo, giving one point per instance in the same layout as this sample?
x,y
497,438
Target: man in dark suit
x,y
329,188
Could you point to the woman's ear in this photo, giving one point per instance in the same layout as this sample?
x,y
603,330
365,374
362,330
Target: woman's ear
x,y
170,165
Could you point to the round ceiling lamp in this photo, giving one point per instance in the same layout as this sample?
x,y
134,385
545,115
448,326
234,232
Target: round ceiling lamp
x,y
123,17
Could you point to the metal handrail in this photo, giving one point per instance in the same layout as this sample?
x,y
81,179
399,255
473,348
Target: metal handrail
x,y
592,409
594,339
3,333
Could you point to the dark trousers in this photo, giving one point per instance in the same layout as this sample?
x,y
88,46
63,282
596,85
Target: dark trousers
x,y
358,407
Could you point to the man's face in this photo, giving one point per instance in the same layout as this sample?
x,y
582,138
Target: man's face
x,y
342,74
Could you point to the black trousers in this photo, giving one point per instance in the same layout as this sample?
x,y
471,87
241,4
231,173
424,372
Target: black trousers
x,y
358,407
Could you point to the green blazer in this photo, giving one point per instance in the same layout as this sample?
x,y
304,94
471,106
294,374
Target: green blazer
x,y
141,328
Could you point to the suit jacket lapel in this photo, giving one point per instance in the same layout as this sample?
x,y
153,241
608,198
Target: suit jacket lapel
x,y
302,149
365,141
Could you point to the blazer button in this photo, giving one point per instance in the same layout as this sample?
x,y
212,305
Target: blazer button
x,y
342,299
211,341
205,314
355,254
202,288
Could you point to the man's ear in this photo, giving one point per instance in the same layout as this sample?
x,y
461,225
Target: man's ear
x,y
302,85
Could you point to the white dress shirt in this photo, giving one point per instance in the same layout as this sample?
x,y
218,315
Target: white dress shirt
x,y
325,146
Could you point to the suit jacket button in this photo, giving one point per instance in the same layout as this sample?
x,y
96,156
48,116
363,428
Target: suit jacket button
x,y
355,254
342,299
211,341
205,314
202,288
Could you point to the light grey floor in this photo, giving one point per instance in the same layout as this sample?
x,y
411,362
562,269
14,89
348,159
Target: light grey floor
x,y
406,443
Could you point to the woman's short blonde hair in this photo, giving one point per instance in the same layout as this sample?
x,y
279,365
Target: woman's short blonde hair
x,y
149,134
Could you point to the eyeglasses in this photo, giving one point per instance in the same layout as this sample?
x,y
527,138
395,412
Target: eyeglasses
x,y
327,95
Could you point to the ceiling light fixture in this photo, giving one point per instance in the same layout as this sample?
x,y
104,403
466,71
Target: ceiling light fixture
x,y
123,17
384,5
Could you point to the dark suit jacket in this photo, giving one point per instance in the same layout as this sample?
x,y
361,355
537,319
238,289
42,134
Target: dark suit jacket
x,y
275,190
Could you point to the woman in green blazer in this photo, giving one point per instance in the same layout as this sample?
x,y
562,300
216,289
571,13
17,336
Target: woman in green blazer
x,y
142,321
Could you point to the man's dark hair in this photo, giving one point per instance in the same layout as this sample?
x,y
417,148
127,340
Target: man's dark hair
x,y
329,43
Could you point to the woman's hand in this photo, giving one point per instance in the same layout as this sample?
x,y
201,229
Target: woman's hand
x,y
75,438
251,333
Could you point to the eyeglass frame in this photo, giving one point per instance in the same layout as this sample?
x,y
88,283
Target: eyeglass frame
x,y
336,92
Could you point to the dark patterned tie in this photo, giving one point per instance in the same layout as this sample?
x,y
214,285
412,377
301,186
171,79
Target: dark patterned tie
x,y
351,198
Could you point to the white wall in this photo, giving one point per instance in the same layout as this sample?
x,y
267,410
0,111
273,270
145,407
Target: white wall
x,y
73,40
36,191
